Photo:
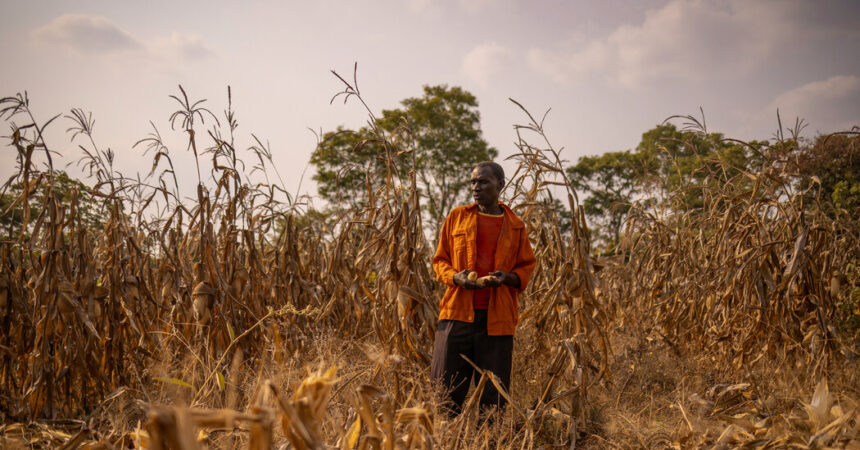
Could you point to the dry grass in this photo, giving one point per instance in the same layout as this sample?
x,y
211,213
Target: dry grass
x,y
235,321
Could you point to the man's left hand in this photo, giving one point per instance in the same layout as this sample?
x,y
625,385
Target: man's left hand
x,y
507,278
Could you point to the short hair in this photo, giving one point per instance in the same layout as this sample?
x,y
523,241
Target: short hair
x,y
497,170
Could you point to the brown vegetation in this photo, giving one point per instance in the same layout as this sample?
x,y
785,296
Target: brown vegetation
x,y
240,320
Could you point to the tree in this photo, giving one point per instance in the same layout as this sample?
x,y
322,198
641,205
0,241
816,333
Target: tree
x,y
12,217
445,140
831,167
348,163
681,164
668,165
610,182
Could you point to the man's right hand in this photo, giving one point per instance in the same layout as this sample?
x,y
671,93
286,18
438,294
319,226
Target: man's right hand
x,y
462,279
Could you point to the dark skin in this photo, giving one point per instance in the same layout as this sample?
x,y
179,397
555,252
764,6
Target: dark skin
x,y
485,190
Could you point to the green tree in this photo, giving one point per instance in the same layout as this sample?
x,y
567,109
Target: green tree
x,y
88,206
830,165
669,165
680,164
445,140
610,182
348,164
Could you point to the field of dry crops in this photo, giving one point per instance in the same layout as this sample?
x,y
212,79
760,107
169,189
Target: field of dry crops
x,y
240,321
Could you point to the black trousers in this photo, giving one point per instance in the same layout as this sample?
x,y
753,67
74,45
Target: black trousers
x,y
491,353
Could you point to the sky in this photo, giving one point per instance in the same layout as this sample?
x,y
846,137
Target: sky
x,y
609,70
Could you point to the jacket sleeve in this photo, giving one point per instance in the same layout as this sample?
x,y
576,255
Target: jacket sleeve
x,y
442,260
525,262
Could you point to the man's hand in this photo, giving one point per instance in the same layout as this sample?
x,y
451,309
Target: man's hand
x,y
507,278
494,279
462,279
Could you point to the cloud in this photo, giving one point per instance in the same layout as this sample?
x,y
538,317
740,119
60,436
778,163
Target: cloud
x,y
182,46
695,40
95,35
484,61
86,34
430,8
438,8
829,105
475,6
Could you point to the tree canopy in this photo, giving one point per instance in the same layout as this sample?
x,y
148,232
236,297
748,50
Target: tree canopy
x,y
12,213
682,162
443,141
830,166
610,181
668,166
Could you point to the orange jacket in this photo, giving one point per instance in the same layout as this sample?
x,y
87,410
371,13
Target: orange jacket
x,y
456,253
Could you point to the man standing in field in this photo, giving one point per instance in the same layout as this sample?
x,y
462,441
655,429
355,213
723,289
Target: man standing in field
x,y
485,259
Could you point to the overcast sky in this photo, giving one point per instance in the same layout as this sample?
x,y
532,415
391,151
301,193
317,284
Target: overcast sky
x,y
609,70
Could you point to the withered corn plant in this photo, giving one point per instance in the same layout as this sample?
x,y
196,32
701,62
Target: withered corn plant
x,y
202,296
72,330
756,274
562,316
213,318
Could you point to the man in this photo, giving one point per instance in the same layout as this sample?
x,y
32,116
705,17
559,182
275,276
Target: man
x,y
477,318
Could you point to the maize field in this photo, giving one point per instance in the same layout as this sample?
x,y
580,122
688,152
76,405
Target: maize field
x,y
232,319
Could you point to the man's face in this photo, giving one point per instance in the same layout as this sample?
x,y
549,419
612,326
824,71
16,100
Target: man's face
x,y
485,186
